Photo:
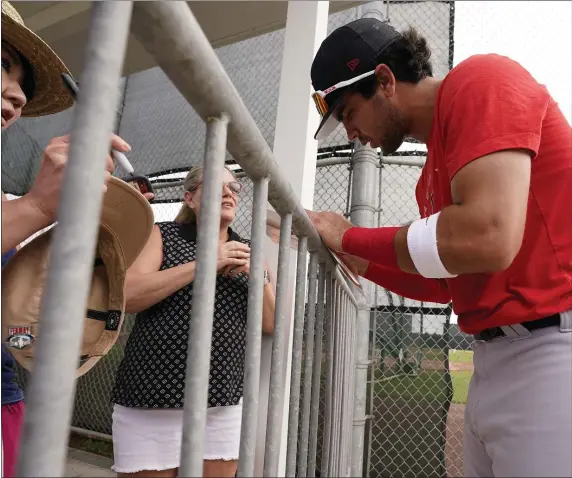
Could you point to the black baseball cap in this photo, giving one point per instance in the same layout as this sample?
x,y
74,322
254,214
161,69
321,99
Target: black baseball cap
x,y
347,53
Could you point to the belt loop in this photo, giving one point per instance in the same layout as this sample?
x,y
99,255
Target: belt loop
x,y
566,321
516,332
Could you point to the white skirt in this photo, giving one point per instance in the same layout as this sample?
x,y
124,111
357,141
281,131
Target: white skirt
x,y
150,439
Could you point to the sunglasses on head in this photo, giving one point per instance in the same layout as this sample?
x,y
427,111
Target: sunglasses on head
x,y
319,97
234,186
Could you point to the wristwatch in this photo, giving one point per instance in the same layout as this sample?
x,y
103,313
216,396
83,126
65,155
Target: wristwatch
x,y
266,277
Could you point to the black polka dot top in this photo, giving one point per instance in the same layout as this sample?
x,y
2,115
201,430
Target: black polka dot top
x,y
152,372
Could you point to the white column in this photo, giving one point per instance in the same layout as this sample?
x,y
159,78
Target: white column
x,y
295,150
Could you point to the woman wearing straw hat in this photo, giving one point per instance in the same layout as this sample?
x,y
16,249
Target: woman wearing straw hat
x,y
149,388
31,86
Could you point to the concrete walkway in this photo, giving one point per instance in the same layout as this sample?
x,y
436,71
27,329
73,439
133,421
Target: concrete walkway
x,y
81,463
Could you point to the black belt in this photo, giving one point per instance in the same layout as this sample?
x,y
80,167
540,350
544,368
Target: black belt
x,y
495,332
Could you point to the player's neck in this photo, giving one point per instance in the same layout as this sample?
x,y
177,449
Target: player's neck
x,y
421,107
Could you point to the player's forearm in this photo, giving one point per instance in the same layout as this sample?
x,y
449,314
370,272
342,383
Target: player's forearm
x,y
20,220
408,285
466,244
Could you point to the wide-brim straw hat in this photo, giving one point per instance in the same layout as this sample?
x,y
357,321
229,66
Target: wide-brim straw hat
x,y
50,94
125,227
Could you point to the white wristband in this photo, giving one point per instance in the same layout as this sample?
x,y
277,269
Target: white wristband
x,y
422,245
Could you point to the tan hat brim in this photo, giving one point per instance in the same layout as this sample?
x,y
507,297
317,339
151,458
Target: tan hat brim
x,y
23,285
50,95
129,215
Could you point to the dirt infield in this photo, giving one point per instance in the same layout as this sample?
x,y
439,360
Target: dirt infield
x,y
454,446
460,366
453,366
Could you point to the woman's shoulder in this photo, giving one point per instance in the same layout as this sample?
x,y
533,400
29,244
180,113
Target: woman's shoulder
x,y
167,225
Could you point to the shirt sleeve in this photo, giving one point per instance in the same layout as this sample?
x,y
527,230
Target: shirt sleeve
x,y
409,285
489,103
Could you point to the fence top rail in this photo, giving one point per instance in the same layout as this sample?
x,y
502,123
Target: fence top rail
x,y
170,32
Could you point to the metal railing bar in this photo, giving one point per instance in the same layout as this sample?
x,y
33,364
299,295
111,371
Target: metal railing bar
x,y
308,367
344,385
353,374
316,375
337,418
349,385
202,310
292,451
276,393
50,396
298,341
171,34
328,323
254,332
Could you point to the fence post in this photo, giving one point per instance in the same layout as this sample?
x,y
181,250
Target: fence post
x,y
295,150
201,320
277,372
365,162
50,397
254,331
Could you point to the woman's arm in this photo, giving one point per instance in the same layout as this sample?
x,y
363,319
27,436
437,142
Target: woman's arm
x,y
268,298
146,285
20,220
268,307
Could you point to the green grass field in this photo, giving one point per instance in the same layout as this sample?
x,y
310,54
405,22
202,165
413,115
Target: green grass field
x,y
461,378
460,356
461,381
429,385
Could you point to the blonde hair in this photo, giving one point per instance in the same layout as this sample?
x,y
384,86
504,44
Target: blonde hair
x,y
192,181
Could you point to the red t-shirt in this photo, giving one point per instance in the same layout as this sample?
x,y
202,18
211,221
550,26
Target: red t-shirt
x,y
490,103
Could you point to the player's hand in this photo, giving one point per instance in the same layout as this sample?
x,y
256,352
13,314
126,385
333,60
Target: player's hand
x,y
331,227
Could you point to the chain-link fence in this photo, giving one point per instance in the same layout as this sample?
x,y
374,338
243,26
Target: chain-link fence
x,y
421,362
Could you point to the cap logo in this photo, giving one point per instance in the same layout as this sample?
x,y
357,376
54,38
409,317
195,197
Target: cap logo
x,y
352,65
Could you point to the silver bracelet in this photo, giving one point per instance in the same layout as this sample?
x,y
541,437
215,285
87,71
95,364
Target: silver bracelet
x,y
266,277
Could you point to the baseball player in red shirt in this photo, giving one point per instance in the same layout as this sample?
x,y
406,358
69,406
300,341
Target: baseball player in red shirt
x,y
495,238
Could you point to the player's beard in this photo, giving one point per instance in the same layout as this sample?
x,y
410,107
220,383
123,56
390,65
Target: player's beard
x,y
391,127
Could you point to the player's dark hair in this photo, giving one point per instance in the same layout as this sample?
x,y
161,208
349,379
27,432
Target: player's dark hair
x,y
408,58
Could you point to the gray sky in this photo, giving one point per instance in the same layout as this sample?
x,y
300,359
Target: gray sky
x,y
536,34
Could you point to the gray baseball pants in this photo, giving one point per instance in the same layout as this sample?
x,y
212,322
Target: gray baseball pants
x,y
518,418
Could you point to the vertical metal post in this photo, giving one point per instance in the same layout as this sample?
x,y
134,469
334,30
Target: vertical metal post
x,y
274,425
365,162
316,376
326,449
338,364
344,357
254,331
350,328
353,332
308,368
202,311
50,396
292,451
